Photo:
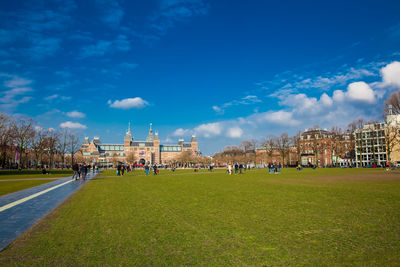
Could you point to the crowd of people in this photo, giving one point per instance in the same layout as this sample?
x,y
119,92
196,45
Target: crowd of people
x,y
80,171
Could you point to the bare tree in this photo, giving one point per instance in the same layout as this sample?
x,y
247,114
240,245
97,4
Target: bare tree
x,y
38,145
23,132
62,145
296,142
269,144
6,137
73,142
392,134
131,157
392,104
282,143
51,144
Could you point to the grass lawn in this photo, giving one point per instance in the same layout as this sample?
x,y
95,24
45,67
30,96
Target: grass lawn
x,y
29,174
7,187
311,217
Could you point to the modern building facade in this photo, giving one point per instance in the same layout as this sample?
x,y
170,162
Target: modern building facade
x,y
149,151
377,143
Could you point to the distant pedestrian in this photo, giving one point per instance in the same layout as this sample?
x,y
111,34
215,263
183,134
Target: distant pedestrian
x,y
236,168
240,168
229,169
155,169
119,170
147,169
75,169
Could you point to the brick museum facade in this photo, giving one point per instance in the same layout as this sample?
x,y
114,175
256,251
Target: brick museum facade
x,y
149,151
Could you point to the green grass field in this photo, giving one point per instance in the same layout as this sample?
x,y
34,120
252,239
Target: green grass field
x,y
311,217
7,187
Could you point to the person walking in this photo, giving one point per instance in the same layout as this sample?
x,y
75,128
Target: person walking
x,y
75,168
230,169
240,168
146,169
155,169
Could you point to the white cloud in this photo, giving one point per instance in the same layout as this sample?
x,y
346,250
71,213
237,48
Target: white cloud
x,y
234,132
17,82
247,100
339,96
209,129
360,91
181,132
326,100
72,125
391,74
75,114
217,109
280,117
128,103
51,97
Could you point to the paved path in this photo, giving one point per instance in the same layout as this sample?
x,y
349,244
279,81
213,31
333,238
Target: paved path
x,y
21,210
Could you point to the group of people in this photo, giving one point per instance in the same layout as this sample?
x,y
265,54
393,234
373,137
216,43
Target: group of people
x,y
80,171
147,169
274,167
238,167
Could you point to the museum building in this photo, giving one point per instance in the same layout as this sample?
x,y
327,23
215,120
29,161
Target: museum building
x,y
149,151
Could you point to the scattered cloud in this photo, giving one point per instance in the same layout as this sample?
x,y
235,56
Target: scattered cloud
x,y
15,91
281,117
73,125
360,91
112,12
75,114
391,74
181,132
102,47
208,130
247,100
235,132
128,103
51,97
173,11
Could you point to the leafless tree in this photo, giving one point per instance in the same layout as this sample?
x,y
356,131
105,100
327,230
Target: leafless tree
x,y
23,132
62,145
282,144
73,142
269,144
52,140
394,102
38,145
131,157
6,139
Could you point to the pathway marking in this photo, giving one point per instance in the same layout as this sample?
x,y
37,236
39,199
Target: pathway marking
x,y
22,200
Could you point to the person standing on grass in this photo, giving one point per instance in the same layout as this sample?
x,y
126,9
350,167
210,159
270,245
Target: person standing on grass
x,y
155,169
230,169
119,170
146,169
236,168
240,168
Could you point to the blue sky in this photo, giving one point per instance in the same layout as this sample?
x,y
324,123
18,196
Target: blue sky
x,y
225,71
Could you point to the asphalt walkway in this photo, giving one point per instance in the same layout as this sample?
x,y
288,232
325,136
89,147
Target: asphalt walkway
x,y
21,210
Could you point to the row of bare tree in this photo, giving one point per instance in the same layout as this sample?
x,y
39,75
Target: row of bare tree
x,y
25,144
